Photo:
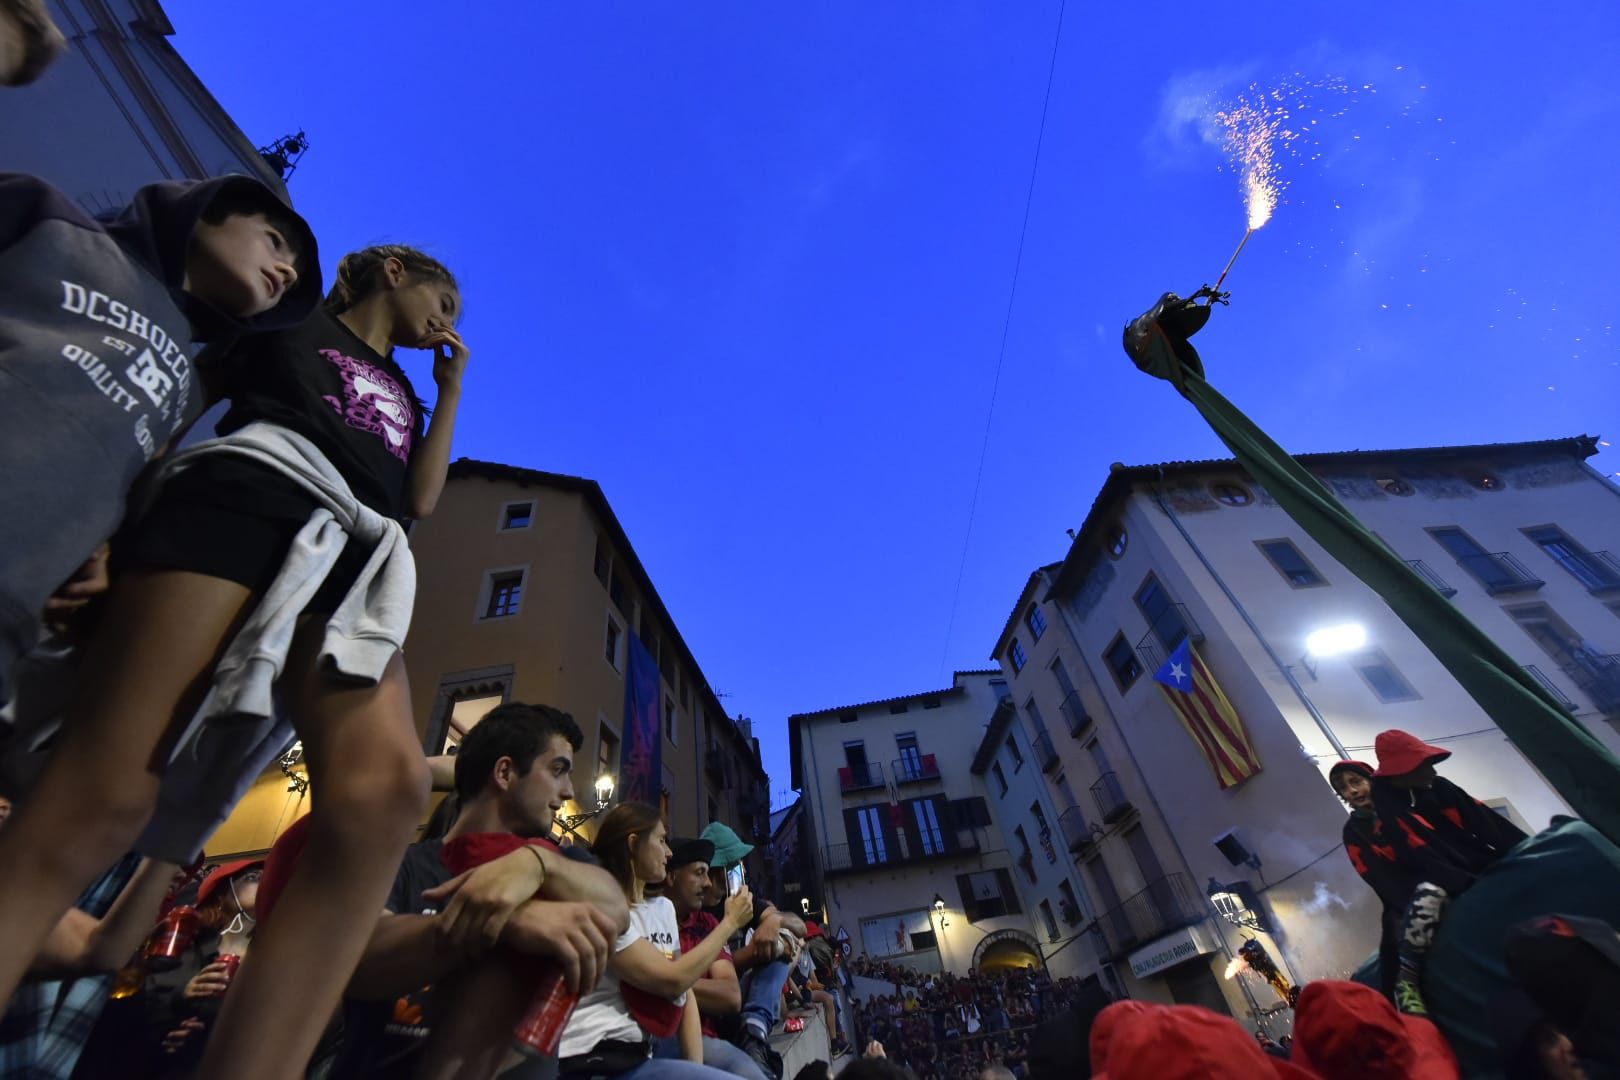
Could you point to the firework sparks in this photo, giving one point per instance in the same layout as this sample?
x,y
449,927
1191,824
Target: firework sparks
x,y
1262,126
1236,965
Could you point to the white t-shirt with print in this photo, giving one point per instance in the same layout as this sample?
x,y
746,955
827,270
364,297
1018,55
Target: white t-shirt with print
x,y
602,1014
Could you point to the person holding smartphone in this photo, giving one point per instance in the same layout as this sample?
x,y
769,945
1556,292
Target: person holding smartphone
x,y
761,961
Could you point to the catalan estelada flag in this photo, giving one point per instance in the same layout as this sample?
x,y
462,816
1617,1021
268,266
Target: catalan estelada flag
x,y
1208,717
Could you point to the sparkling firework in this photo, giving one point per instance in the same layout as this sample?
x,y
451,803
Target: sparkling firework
x,y
1235,965
1259,128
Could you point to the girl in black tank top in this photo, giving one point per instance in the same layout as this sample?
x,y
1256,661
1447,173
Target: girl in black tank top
x,y
178,603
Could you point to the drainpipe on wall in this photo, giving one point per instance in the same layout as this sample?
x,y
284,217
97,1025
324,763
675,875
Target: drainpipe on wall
x,y
1255,1012
1287,670
821,815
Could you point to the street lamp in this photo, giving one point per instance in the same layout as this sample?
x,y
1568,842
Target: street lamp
x,y
1236,902
570,823
939,909
1332,641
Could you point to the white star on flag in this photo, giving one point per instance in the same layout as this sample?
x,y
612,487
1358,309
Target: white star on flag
x,y
1178,673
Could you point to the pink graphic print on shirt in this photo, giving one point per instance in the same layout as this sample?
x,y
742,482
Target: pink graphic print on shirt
x,y
374,402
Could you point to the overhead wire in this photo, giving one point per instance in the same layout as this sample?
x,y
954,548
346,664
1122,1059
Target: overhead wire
x,y
1006,326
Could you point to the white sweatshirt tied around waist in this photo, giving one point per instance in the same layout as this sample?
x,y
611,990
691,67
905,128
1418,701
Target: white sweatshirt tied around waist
x,y
237,731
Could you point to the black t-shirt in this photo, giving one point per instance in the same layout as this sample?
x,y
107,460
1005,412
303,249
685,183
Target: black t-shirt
x,y
382,1038
320,380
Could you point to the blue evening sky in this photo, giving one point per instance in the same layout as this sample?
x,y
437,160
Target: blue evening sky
x,y
747,265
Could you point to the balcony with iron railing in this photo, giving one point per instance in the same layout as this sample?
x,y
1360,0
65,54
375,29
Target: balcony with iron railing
x,y
1436,582
860,777
899,850
1172,625
1077,832
1165,905
1046,755
1597,675
914,770
1500,572
1551,687
1074,714
1111,801
1597,570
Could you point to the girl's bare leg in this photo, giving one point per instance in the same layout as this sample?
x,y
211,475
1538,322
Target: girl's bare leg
x,y
145,674
368,787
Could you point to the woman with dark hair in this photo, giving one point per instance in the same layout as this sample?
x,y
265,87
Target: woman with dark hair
x,y
645,989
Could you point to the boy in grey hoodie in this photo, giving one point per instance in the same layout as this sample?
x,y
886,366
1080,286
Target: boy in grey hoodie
x,y
98,324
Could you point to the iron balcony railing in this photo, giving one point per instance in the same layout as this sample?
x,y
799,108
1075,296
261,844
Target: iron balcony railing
x,y
1436,582
1551,687
860,777
908,770
1074,714
899,850
1172,625
1111,801
1597,570
1076,829
1045,754
1500,572
1165,905
1598,677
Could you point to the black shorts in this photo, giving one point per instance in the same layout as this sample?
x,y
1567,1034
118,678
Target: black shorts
x,y
233,520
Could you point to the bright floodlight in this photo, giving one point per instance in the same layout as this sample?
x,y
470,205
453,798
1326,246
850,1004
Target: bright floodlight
x,y
1334,640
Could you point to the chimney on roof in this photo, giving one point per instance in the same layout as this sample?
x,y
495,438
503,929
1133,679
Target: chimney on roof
x,y
746,726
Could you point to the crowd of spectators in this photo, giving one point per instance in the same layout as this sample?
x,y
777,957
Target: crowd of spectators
x,y
948,1027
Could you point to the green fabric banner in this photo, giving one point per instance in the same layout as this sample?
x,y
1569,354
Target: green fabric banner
x,y
1572,760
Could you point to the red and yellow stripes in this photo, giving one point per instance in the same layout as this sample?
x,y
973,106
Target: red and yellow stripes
x,y
1214,725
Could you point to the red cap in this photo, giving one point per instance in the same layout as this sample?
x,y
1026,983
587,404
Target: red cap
x,y
219,875
1178,1042
811,929
1107,1023
1400,753
279,865
1347,1029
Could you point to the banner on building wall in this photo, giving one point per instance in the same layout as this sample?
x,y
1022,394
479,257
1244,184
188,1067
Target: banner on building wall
x,y
1208,717
641,765
890,935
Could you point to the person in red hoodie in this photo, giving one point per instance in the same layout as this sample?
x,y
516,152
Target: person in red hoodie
x,y
1134,1040
1443,838
1345,1029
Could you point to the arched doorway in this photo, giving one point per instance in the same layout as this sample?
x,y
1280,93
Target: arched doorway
x,y
1007,950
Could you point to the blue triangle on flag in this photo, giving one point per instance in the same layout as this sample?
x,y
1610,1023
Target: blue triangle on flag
x,y
1177,672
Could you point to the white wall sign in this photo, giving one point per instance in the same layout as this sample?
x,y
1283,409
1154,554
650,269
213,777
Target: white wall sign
x,y
1171,950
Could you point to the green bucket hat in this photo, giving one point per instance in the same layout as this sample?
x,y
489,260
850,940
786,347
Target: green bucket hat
x,y
728,846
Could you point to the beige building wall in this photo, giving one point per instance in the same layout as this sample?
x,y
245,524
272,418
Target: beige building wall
x,y
884,893
472,645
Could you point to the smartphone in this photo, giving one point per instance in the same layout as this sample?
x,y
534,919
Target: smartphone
x,y
734,880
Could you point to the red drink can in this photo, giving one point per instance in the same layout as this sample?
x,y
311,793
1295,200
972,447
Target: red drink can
x,y
232,961
539,1033
172,938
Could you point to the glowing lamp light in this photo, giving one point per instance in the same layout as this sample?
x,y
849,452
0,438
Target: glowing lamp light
x,y
939,902
1336,640
1233,902
604,789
